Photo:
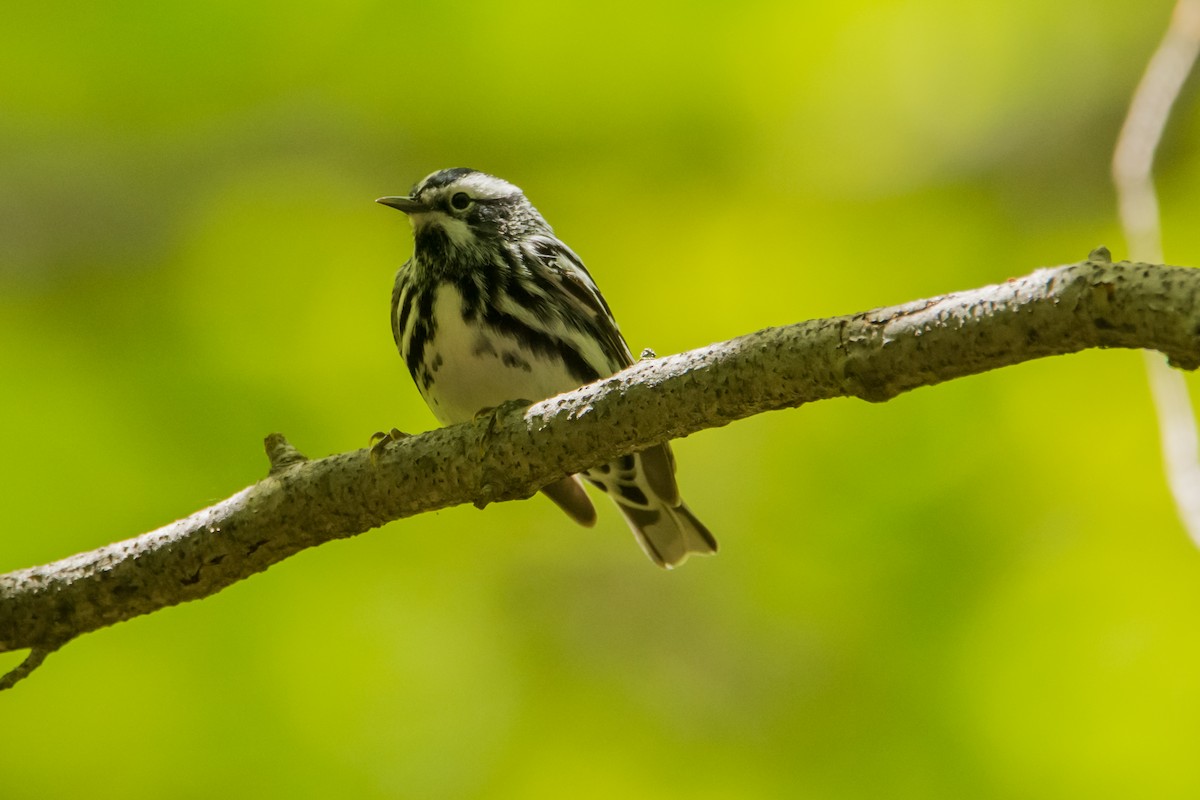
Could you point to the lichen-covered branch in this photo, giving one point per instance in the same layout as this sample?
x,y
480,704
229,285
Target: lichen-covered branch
x,y
874,355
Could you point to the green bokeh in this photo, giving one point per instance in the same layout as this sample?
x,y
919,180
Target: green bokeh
x,y
978,590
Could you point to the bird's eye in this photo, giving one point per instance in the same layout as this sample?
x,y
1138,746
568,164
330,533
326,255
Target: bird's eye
x,y
460,201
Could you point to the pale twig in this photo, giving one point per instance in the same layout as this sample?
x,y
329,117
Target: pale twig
x,y
1133,162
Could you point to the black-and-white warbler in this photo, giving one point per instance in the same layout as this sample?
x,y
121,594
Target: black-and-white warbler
x,y
491,308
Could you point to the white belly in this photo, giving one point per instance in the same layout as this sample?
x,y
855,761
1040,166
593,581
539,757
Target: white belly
x,y
474,368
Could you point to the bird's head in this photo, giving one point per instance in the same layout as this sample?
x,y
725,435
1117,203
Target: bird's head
x,y
467,211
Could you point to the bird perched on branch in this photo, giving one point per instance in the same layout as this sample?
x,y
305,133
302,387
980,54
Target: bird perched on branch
x,y
493,307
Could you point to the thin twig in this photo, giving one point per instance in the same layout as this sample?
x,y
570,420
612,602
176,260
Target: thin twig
x,y
1133,163
22,671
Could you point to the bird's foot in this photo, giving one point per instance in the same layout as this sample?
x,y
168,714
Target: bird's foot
x,y
493,414
497,411
381,439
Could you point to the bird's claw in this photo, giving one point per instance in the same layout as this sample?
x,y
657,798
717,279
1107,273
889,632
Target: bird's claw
x,y
493,414
496,411
381,439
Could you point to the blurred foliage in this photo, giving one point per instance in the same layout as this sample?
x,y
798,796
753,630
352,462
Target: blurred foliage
x,y
978,590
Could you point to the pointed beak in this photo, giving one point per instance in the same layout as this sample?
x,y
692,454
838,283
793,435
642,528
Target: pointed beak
x,y
405,204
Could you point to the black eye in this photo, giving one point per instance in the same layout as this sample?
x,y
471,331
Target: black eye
x,y
460,201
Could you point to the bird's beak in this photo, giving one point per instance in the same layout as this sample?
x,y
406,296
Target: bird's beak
x,y
405,204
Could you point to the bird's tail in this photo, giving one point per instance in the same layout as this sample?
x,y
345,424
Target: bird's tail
x,y
569,495
643,487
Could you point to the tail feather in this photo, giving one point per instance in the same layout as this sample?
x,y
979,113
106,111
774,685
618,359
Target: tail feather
x,y
569,495
643,487
669,535
658,465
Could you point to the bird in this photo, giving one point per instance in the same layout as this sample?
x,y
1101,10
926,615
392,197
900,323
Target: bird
x,y
493,308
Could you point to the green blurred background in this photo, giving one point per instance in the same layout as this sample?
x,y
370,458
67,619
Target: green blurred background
x,y
977,590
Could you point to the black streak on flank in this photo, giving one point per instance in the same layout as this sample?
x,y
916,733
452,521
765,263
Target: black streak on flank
x,y
539,343
471,296
422,331
511,359
402,314
522,296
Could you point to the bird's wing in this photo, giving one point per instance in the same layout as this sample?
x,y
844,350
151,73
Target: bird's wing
x,y
564,273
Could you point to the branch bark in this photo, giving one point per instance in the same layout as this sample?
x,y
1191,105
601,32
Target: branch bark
x,y
874,355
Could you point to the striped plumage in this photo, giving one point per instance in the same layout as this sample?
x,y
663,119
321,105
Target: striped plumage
x,y
492,307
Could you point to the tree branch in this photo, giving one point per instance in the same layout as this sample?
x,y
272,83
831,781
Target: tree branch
x,y
874,355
